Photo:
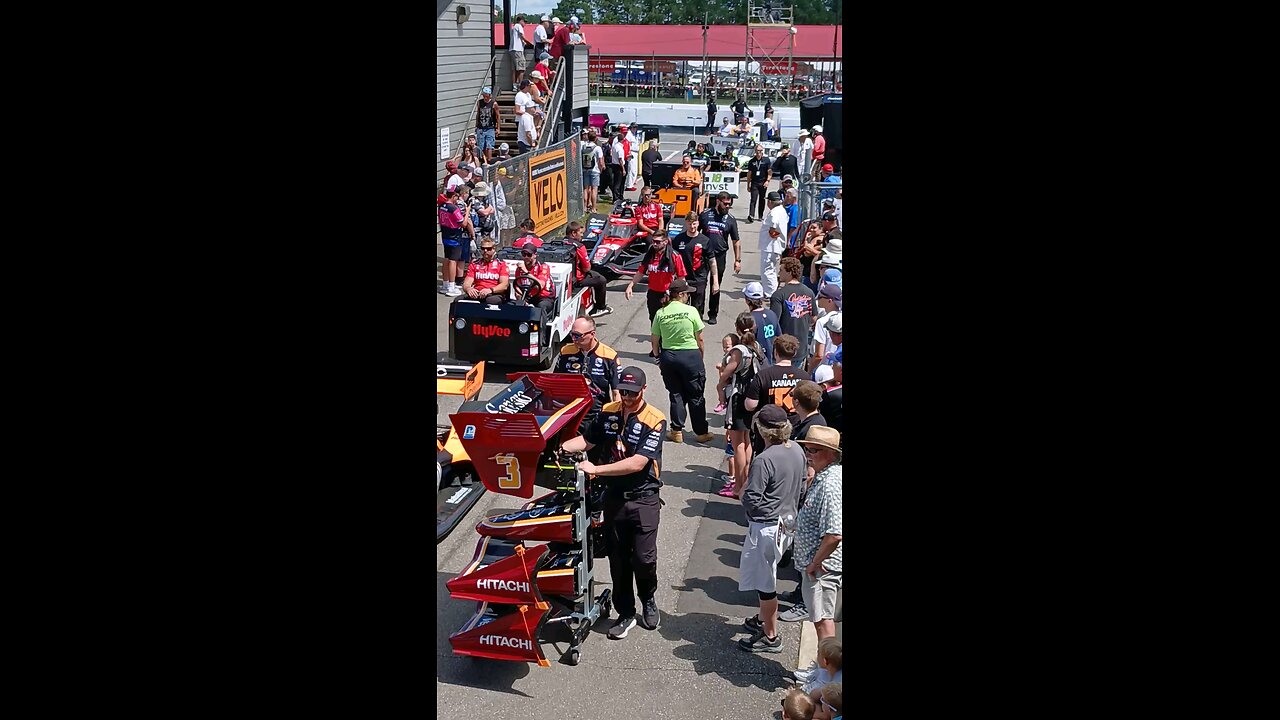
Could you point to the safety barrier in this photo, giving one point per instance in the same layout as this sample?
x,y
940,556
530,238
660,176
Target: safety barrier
x,y
551,195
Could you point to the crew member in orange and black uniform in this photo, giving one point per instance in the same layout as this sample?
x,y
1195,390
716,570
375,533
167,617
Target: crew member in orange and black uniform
x,y
594,360
624,446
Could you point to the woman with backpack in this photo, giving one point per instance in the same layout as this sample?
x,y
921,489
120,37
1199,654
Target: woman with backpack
x,y
745,360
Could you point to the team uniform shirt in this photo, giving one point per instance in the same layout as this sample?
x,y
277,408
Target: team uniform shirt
x,y
766,330
758,170
690,178
582,264
697,260
599,365
699,160
719,229
527,238
650,214
820,516
794,303
615,438
486,276
542,273
677,326
773,386
662,269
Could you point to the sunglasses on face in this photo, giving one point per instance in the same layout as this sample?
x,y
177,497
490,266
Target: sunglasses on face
x,y
528,255
811,450
488,249
579,335
629,393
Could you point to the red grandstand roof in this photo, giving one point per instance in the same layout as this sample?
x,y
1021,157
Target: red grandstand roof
x,y
724,42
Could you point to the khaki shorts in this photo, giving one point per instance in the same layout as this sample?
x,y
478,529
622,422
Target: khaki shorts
x,y
820,595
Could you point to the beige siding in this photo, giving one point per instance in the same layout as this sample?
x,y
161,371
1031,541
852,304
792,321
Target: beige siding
x,y
580,98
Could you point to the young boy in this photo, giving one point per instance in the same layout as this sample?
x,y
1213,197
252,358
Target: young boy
x,y
830,662
797,706
830,702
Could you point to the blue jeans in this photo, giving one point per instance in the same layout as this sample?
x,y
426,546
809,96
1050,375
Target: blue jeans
x,y
486,138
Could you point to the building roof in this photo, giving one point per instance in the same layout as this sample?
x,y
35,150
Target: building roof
x,y
684,42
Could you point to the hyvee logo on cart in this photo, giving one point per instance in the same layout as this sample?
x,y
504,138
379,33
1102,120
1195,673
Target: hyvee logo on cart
x,y
490,331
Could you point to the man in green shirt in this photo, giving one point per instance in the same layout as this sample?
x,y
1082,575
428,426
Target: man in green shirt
x,y
677,343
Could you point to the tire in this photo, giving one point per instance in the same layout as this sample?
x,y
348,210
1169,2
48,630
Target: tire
x,y
573,657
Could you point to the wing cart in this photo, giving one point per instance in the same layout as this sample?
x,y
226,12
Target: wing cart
x,y
533,573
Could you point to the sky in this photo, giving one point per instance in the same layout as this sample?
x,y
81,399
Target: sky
x,y
530,7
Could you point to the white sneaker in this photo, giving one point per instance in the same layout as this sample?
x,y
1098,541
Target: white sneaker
x,y
454,290
444,288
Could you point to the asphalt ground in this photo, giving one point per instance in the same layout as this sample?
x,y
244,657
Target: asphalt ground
x,y
689,666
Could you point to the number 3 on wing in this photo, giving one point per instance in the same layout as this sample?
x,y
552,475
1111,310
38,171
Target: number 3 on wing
x,y
509,480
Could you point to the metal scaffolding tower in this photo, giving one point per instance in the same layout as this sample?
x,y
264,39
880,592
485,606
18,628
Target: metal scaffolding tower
x,y
773,52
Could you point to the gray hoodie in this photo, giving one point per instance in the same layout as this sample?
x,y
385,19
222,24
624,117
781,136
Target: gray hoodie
x,y
774,483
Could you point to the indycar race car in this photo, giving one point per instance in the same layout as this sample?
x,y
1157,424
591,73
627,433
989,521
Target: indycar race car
x,y
619,244
525,591
515,332
456,488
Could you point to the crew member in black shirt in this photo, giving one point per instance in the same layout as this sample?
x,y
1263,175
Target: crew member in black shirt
x,y
773,385
595,361
721,229
785,164
692,246
739,110
759,172
647,159
624,446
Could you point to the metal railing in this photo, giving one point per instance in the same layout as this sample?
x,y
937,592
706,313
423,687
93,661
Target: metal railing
x,y
810,197
553,107
475,106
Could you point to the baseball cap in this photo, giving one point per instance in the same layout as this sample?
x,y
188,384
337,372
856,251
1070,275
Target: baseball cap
x,y
487,91
773,197
464,167
829,167
546,18
545,55
451,166
823,373
631,378
785,148
504,147
557,21
817,128
836,324
573,19
528,249
831,290
831,275
788,178
754,290
623,126
678,285
771,416
828,215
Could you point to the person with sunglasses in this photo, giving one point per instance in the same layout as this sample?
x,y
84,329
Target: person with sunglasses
x,y
830,702
487,279
544,295
624,446
677,341
589,357
649,213
661,265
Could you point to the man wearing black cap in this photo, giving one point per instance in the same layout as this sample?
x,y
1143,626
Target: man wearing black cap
x,y
676,340
770,498
721,229
624,446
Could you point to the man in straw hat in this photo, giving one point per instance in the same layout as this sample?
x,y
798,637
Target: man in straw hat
x,y
818,535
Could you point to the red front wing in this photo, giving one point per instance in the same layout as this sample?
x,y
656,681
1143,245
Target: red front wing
x,y
511,636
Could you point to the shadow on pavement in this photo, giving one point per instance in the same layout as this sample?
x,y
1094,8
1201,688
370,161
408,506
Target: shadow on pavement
x,y
695,479
722,589
707,642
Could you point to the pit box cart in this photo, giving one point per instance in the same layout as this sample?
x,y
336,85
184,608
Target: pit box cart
x,y
526,592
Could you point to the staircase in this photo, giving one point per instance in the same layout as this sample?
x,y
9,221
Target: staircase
x,y
507,129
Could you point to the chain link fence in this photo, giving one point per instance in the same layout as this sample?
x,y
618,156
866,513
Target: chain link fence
x,y
811,195
515,193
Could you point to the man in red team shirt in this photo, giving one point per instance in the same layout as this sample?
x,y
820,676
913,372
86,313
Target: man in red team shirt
x,y
486,278
527,235
544,295
583,275
649,214
661,265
